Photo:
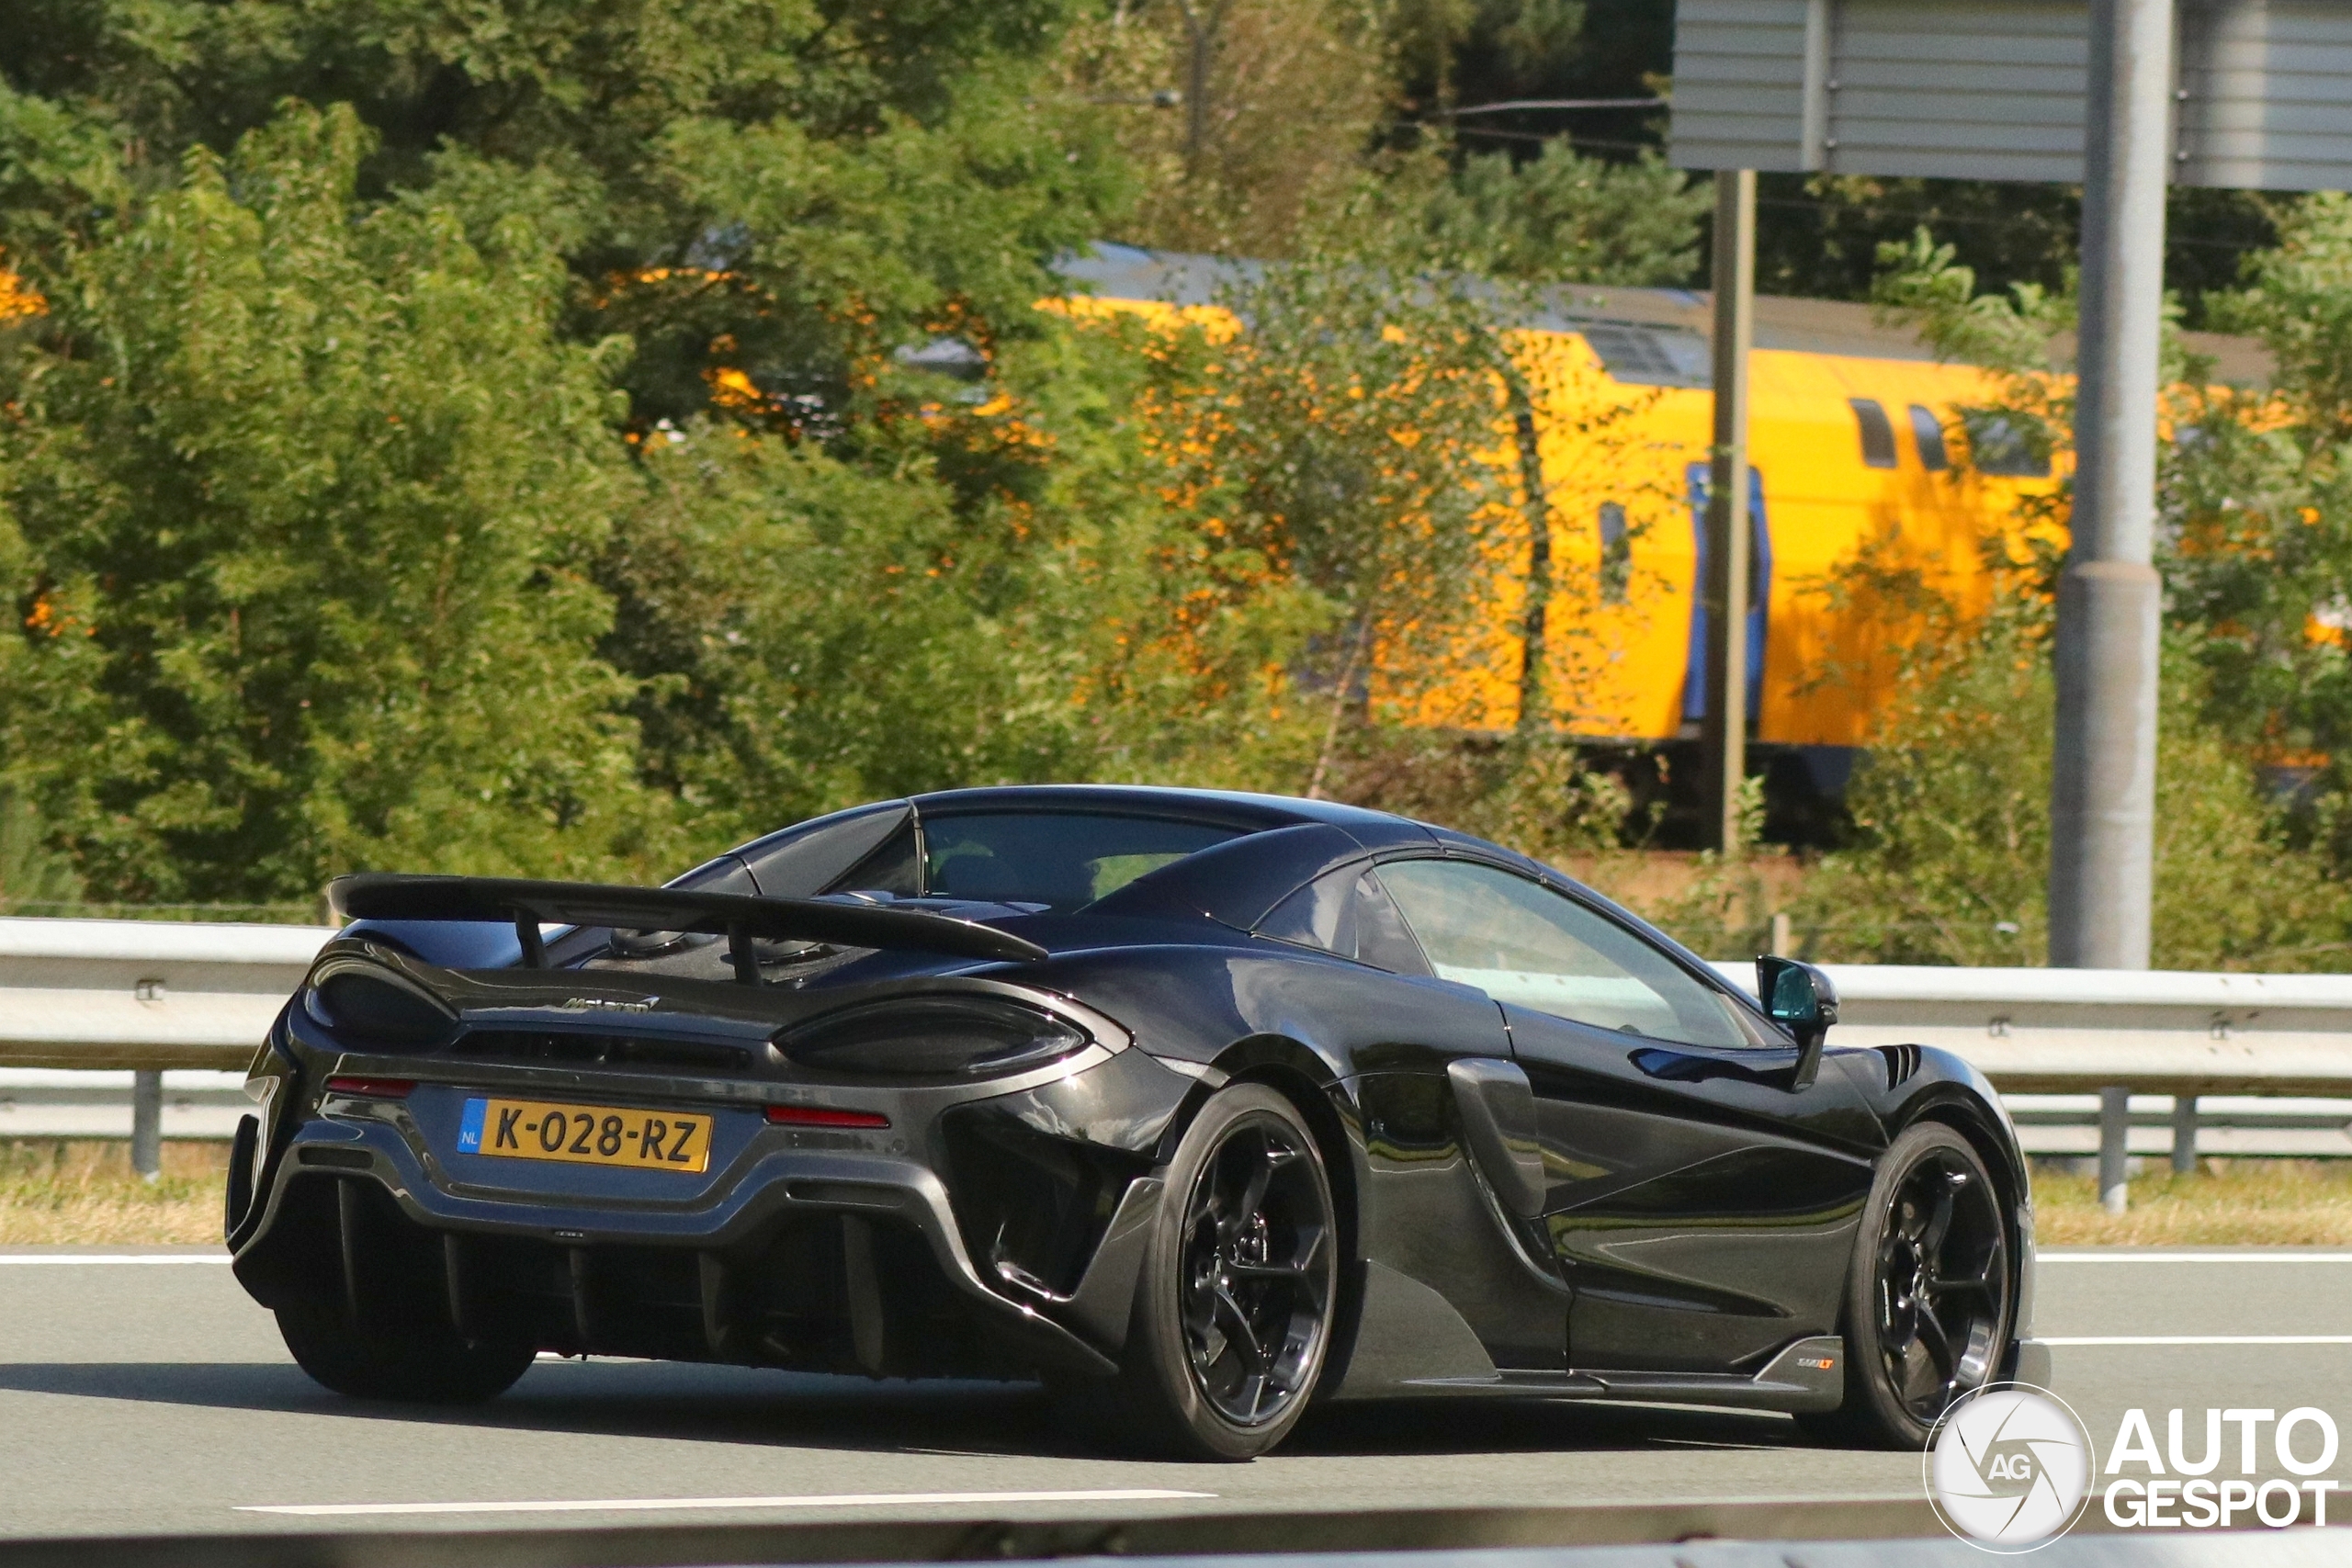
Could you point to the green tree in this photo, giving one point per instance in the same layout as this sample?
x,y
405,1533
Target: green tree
x,y
1349,438
1238,116
1562,217
1015,599
2256,542
309,495
787,190
1952,816
1951,812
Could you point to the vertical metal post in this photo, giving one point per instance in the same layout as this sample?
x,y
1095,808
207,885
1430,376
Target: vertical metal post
x,y
2184,1134
2102,791
147,1124
2114,1149
1723,731
1813,130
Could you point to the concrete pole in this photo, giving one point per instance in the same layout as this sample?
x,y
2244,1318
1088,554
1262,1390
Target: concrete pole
x,y
2103,768
2103,772
1723,730
147,1124
2114,1149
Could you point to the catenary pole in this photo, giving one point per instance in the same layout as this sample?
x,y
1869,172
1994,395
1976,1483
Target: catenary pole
x,y
1724,728
2103,784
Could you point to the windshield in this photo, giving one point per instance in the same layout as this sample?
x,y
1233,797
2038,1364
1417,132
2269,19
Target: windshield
x,y
1062,860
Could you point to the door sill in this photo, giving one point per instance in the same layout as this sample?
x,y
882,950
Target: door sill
x,y
1808,1375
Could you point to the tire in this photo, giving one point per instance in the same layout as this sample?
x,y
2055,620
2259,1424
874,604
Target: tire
x,y
1235,1299
410,1366
1928,1294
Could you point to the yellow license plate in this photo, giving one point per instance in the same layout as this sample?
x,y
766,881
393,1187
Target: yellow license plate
x,y
586,1135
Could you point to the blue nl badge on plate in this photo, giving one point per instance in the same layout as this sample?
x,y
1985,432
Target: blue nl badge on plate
x,y
469,1130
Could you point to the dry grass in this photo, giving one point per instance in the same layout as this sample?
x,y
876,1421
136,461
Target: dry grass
x,y
60,1192
2244,1202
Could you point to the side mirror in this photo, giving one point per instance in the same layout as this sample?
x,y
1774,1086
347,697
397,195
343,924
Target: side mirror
x,y
1800,997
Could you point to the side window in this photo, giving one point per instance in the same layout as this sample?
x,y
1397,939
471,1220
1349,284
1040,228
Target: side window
x,y
1350,913
894,868
1520,942
808,857
1999,446
1878,435
1616,553
1927,435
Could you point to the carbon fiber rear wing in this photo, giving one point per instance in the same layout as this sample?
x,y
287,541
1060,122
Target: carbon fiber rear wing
x,y
392,895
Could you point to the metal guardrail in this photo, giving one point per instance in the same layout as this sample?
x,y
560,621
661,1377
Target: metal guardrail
x,y
151,996
144,994
2066,1031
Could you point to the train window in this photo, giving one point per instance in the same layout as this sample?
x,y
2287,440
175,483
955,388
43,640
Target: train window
x,y
2002,448
1928,432
1878,435
1616,554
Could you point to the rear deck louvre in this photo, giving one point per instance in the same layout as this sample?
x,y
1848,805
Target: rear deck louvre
x,y
602,1050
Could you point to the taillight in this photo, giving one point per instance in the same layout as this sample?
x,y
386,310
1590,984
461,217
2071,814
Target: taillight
x,y
369,1005
823,1116
372,1088
935,1037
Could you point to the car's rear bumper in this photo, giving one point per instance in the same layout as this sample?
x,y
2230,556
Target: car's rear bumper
x,y
591,1225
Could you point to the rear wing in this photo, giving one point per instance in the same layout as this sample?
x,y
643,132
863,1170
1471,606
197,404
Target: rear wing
x,y
392,895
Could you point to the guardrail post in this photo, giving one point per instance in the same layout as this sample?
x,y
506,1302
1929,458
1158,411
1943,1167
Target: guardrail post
x,y
2114,1149
2184,1134
147,1124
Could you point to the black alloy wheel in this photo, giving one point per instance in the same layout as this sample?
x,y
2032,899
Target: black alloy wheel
x,y
1257,1287
1928,1307
1235,1299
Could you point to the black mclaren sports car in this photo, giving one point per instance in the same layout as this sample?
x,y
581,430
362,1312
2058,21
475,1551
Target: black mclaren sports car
x,y
1199,1107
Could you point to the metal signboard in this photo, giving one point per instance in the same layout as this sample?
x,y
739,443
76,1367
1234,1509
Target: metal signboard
x,y
1996,89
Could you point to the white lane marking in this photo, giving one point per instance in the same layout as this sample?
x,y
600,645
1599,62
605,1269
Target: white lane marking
x,y
634,1504
2104,1256
2199,1339
77,1259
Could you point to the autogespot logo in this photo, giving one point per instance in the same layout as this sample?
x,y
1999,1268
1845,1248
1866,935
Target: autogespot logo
x,y
2010,1467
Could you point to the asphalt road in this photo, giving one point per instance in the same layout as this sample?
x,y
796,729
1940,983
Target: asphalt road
x,y
154,1396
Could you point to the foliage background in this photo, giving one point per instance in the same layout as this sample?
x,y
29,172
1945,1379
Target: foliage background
x,y
529,439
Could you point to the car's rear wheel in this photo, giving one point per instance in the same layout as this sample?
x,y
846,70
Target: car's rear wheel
x,y
1929,1303
1235,1299
417,1365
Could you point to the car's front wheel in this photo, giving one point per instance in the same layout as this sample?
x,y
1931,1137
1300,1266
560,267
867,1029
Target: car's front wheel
x,y
391,1362
1929,1304
1235,1299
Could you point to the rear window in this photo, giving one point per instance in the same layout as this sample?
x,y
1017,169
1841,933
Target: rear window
x,y
1063,860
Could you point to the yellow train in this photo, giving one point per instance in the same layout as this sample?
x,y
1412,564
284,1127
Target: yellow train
x,y
1856,441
